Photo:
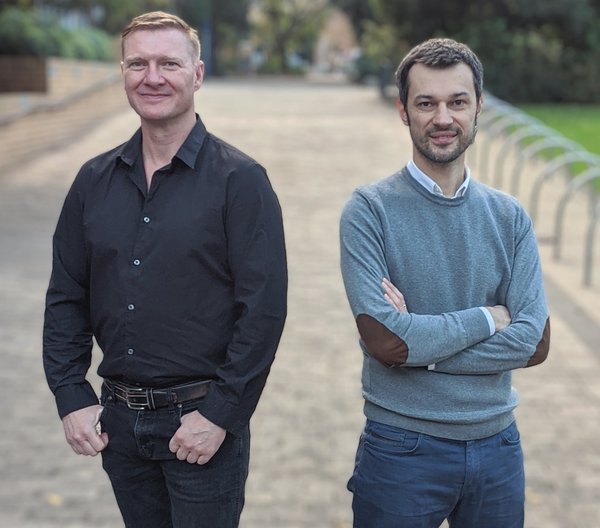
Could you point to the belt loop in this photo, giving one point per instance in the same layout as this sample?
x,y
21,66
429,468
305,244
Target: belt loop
x,y
151,403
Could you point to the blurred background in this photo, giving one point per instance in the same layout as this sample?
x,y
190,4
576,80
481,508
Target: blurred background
x,y
533,50
305,87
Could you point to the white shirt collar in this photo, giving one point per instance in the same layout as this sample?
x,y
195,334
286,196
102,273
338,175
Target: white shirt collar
x,y
433,187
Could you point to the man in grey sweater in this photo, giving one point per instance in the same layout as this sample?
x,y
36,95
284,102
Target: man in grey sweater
x,y
443,278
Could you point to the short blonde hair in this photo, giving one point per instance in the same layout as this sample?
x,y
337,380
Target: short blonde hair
x,y
161,20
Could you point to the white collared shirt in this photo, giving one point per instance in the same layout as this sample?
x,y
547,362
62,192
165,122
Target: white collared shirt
x,y
433,187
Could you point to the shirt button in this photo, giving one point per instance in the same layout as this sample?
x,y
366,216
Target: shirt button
x,y
130,307
130,351
146,220
136,262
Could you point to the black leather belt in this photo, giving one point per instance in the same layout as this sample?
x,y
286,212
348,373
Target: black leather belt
x,y
149,399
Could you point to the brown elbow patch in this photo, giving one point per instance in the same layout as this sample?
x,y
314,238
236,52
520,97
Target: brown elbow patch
x,y
381,343
541,351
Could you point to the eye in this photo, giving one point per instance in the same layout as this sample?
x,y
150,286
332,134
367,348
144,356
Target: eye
x,y
459,103
135,65
424,105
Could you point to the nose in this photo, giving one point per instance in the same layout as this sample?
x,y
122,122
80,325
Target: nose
x,y
442,116
153,75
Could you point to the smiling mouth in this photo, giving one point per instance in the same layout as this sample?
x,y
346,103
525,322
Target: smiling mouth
x,y
443,137
153,96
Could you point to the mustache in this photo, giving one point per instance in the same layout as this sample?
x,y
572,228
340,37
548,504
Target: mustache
x,y
449,128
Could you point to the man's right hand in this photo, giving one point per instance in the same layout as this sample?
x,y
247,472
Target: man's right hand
x,y
80,431
500,315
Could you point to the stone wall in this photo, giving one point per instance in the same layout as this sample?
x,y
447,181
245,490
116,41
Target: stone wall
x,y
23,74
79,94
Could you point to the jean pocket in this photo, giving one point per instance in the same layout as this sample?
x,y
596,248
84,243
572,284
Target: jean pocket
x,y
510,436
391,440
186,408
102,417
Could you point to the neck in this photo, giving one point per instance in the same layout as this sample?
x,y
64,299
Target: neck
x,y
161,141
449,176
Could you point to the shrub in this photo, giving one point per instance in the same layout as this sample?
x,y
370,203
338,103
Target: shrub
x,y
24,32
21,33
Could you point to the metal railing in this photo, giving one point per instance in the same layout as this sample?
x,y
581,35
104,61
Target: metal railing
x,y
512,131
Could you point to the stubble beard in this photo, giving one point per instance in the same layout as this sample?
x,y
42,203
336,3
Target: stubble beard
x,y
438,155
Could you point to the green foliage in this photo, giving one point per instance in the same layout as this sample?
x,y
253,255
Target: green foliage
x,y
116,14
518,65
287,29
358,11
87,43
227,21
20,33
109,15
532,50
25,32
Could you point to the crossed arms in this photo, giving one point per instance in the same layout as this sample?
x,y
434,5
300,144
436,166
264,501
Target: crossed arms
x,y
457,342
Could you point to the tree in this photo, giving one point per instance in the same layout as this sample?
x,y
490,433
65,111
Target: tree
x,y
360,13
108,15
221,24
544,50
287,27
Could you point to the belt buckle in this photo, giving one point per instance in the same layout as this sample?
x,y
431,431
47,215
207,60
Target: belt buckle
x,y
139,399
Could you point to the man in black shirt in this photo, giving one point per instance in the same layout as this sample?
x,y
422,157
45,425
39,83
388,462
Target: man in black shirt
x,y
169,251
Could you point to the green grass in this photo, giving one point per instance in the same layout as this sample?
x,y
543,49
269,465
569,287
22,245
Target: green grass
x,y
580,123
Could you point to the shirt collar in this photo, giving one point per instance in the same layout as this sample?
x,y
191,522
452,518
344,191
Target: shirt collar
x,y
433,187
187,153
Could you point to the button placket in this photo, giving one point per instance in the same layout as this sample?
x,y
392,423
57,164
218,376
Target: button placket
x,y
136,262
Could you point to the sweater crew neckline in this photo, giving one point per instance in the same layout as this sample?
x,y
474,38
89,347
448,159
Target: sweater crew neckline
x,y
436,198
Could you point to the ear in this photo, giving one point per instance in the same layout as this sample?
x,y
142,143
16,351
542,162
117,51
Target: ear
x,y
402,111
199,75
479,106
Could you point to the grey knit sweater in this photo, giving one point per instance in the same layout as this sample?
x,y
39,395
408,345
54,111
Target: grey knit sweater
x,y
448,257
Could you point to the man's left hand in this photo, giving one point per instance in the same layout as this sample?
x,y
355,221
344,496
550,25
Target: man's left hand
x,y
197,440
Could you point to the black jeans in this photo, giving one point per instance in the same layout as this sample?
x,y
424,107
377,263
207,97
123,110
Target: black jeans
x,y
155,490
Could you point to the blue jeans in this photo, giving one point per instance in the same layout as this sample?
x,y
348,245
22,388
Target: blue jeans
x,y
153,488
404,479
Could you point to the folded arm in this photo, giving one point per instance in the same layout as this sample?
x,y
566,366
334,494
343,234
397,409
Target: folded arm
x,y
525,341
394,337
520,342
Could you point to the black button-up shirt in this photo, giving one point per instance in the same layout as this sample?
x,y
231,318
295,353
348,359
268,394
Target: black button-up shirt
x,y
184,281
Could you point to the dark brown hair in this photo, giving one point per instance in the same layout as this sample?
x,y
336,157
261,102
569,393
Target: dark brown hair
x,y
438,53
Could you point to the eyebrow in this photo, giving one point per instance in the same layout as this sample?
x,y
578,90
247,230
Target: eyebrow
x,y
132,59
429,97
138,58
